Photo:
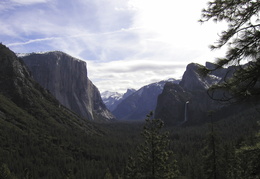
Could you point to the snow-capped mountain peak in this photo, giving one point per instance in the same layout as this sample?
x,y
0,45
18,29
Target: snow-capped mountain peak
x,y
112,99
108,94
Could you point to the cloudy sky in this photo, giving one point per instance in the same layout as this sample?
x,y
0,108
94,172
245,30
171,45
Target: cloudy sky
x,y
126,43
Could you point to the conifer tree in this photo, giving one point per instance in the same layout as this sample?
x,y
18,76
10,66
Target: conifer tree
x,y
212,155
154,160
243,40
247,163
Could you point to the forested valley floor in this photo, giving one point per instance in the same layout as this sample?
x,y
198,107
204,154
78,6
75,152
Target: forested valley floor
x,y
27,152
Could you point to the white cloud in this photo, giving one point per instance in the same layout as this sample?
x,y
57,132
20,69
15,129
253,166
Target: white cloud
x,y
30,41
119,75
126,43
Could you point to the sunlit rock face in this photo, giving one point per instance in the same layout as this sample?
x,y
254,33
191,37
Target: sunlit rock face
x,y
66,78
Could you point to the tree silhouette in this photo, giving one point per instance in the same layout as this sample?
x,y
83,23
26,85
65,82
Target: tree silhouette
x,y
243,40
247,161
154,160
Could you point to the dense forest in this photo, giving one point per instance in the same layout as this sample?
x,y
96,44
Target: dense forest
x,y
74,154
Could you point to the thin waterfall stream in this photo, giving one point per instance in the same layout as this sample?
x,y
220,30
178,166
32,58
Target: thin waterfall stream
x,y
185,111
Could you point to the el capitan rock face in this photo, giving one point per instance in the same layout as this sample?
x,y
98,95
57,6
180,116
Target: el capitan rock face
x,y
23,99
66,78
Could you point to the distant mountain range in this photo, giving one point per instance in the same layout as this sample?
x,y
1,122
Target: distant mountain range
x,y
112,99
176,102
137,105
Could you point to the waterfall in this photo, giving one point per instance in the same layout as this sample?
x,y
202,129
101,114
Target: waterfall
x,y
185,111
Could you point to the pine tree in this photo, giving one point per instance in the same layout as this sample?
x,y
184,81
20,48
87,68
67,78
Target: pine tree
x,y
243,40
247,163
154,160
230,161
212,155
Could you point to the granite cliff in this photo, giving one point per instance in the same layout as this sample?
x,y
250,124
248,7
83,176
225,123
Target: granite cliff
x,y
24,103
66,78
188,101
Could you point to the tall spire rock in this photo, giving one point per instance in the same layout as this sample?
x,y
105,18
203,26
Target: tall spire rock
x,y
66,78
